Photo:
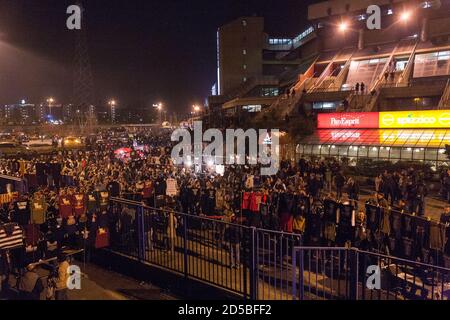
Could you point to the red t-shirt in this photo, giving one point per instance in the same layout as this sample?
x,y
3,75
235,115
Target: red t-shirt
x,y
78,203
65,207
147,191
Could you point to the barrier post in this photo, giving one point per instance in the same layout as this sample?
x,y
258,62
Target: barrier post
x,y
141,232
252,266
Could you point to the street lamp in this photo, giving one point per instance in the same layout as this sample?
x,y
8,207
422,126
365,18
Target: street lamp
x,y
343,26
49,103
159,106
405,16
196,108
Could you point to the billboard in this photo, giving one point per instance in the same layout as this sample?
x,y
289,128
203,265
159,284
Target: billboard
x,y
348,120
419,119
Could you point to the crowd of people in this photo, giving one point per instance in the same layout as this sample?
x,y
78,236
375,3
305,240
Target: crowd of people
x,y
64,199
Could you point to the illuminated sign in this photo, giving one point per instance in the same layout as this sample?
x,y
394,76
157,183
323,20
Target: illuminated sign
x,y
415,119
385,120
345,120
390,137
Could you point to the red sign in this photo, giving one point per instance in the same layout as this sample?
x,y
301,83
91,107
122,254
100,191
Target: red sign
x,y
356,120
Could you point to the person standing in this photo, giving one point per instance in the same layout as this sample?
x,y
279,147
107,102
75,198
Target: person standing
x,y
63,276
30,285
339,182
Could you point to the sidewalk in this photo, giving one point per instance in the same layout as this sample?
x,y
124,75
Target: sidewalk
x,y
101,284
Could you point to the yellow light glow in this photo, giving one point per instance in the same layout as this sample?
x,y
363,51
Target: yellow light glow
x,y
405,16
415,119
343,26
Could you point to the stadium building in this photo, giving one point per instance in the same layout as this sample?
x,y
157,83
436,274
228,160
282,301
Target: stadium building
x,y
380,94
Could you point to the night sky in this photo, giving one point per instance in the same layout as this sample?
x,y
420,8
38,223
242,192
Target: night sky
x,y
141,51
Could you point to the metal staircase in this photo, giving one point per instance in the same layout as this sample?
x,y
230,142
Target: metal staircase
x,y
444,103
285,105
403,81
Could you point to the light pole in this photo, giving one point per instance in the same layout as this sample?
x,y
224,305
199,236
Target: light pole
x,y
159,106
50,105
196,109
112,104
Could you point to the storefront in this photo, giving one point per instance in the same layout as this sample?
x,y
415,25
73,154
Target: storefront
x,y
395,136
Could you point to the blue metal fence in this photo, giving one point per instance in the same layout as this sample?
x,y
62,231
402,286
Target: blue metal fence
x,y
352,274
262,264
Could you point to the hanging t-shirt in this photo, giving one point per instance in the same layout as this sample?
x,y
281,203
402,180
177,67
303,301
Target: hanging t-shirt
x,y
103,200
147,191
255,201
22,213
246,200
11,236
65,207
78,202
38,210
91,202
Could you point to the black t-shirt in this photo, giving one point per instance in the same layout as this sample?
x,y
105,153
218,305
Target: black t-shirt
x,y
22,213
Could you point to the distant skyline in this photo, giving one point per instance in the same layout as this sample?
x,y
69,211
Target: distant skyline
x,y
141,51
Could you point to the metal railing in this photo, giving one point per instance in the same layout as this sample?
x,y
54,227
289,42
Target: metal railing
x,y
252,263
352,274
264,264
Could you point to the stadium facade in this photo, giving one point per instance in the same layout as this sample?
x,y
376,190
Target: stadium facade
x,y
404,67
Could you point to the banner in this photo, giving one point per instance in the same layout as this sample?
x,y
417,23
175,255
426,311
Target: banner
x,y
415,119
419,119
348,120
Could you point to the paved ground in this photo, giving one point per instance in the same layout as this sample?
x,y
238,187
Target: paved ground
x,y
100,284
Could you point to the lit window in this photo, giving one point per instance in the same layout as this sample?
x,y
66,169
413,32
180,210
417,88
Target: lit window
x,y
390,11
244,67
244,23
244,52
244,79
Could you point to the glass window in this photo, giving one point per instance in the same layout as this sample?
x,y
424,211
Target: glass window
x,y
353,151
244,23
401,65
419,154
343,151
317,150
334,150
384,152
432,64
244,51
362,152
406,154
373,152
